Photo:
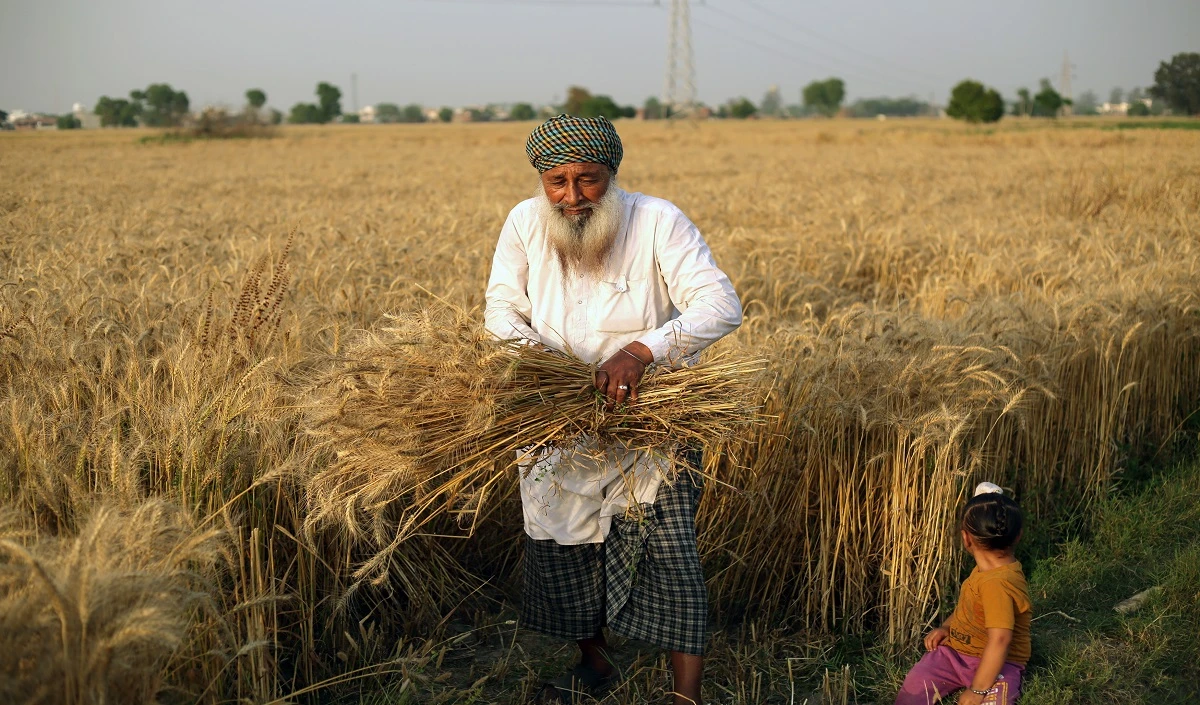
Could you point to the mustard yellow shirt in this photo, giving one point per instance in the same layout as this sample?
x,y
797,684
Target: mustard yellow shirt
x,y
992,599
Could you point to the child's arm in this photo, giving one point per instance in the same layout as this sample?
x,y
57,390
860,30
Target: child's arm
x,y
990,663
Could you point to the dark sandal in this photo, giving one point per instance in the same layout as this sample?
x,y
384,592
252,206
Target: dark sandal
x,y
570,688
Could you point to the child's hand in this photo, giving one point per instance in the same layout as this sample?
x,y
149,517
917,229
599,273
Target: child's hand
x,y
936,637
967,697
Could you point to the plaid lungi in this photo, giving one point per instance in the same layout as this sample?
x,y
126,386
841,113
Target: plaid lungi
x,y
644,581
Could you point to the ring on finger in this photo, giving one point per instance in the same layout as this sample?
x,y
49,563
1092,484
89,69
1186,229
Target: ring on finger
x,y
623,386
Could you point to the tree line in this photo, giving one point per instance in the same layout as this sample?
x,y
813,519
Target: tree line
x,y
158,106
1176,87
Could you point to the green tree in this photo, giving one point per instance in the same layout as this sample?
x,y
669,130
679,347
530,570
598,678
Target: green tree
x,y
1087,103
973,102
652,109
305,114
577,97
742,108
825,97
599,105
117,112
164,106
388,112
256,98
1024,104
3,117
329,101
1116,95
481,115
1135,94
523,111
67,122
1047,102
1138,109
1178,83
276,117
892,107
350,118
446,114
414,113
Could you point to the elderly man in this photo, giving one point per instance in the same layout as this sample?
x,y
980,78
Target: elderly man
x,y
625,281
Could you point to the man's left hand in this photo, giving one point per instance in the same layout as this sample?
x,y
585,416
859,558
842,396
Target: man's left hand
x,y
969,698
618,378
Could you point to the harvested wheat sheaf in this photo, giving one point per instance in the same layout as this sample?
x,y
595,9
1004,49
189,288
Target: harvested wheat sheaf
x,y
427,415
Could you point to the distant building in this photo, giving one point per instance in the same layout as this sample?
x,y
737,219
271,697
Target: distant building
x,y
1120,108
472,113
87,119
433,114
22,120
367,114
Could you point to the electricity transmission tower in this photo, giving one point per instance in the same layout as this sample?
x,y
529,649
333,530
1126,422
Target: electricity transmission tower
x,y
679,91
1064,85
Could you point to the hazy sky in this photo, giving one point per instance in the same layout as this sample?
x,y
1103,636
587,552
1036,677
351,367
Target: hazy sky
x,y
454,52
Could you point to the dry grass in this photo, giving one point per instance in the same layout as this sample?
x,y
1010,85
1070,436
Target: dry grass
x,y
937,304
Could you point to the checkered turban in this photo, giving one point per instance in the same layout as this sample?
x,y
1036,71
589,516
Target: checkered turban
x,y
566,139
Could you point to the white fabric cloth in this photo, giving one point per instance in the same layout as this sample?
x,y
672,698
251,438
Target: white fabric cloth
x,y
987,488
661,287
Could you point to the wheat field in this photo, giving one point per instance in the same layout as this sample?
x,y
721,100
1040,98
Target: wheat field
x,y
937,304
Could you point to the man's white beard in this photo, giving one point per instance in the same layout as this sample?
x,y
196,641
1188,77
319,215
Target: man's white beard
x,y
583,242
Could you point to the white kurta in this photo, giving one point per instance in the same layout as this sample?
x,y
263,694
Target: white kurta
x,y
660,287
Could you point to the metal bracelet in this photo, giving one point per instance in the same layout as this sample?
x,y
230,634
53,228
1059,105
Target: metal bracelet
x,y
982,692
644,364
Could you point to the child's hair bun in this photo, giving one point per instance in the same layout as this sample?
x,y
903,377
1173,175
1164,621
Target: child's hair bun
x,y
987,488
993,518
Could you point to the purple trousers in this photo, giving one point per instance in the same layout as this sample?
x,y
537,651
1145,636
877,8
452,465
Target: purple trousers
x,y
943,671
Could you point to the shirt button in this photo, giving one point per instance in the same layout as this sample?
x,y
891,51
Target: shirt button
x,y
579,301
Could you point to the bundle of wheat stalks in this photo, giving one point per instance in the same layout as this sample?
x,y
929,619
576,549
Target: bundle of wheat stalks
x,y
423,419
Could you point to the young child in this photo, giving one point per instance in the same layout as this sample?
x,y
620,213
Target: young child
x,y
984,645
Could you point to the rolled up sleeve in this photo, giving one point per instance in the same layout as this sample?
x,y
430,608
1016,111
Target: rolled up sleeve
x,y
709,307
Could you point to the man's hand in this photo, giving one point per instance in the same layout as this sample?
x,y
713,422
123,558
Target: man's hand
x,y
936,637
618,378
967,697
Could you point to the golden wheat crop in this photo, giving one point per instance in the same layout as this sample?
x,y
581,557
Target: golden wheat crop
x,y
937,304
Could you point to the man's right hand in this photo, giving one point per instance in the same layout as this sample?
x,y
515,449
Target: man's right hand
x,y
618,378
936,637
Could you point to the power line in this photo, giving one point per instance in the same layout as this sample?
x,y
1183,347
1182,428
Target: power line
x,y
840,63
816,35
550,3
724,31
808,61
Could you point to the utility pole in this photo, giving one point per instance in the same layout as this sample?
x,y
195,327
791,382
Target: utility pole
x,y
1064,85
679,90
354,91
